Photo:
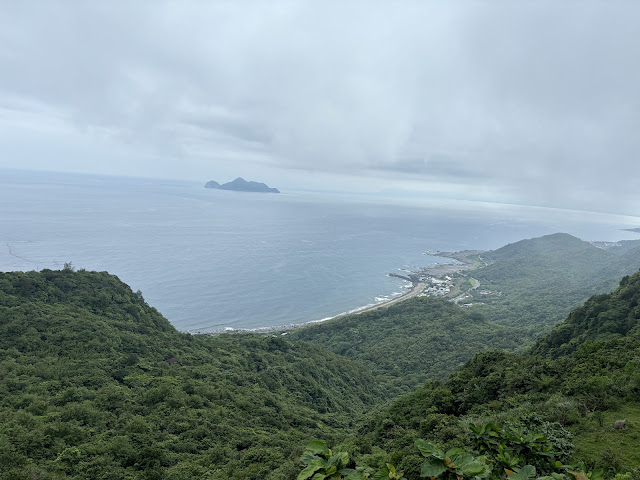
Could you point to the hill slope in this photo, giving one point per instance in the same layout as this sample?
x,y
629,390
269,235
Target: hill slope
x,y
579,378
94,383
535,283
411,341
602,318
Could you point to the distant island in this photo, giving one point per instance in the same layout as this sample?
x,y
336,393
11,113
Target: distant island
x,y
241,185
635,230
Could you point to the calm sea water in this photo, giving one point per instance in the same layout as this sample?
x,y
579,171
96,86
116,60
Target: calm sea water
x,y
212,259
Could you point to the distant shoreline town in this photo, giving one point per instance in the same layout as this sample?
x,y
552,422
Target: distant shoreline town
x,y
448,280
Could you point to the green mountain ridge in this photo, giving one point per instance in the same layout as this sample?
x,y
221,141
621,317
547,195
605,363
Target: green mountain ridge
x,y
537,282
556,242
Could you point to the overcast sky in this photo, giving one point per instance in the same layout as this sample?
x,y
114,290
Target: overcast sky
x,y
524,102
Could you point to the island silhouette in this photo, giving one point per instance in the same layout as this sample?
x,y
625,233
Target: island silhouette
x,y
241,185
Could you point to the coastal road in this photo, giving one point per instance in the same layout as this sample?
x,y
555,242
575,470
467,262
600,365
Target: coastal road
x,y
417,289
475,285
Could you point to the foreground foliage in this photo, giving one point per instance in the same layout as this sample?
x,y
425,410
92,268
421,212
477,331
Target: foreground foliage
x,y
455,464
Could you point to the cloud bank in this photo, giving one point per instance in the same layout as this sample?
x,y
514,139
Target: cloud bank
x,y
533,102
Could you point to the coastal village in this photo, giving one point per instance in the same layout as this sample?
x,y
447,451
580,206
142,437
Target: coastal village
x,y
449,280
452,288
439,287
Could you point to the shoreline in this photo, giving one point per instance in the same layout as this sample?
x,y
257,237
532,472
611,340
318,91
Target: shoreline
x,y
463,263
415,290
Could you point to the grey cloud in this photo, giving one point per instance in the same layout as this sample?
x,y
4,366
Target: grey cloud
x,y
438,166
536,100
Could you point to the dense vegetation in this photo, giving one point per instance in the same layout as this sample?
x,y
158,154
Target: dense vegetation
x,y
411,341
96,384
535,283
603,318
569,388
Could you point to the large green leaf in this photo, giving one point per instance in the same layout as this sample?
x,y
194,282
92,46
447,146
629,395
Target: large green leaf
x,y
309,457
318,448
477,429
432,468
525,473
457,456
351,474
308,471
597,474
381,474
340,459
472,469
464,464
428,449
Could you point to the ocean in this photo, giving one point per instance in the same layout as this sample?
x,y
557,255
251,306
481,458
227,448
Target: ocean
x,y
211,260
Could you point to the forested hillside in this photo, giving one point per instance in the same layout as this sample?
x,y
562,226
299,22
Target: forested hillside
x,y
94,383
570,388
411,341
602,318
535,283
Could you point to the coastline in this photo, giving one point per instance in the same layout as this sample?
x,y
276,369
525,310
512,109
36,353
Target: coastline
x,y
462,259
415,290
462,262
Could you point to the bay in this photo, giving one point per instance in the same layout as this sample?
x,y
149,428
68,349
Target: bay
x,y
210,260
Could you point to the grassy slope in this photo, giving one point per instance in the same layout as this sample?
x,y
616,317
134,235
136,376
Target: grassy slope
x,y
598,443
